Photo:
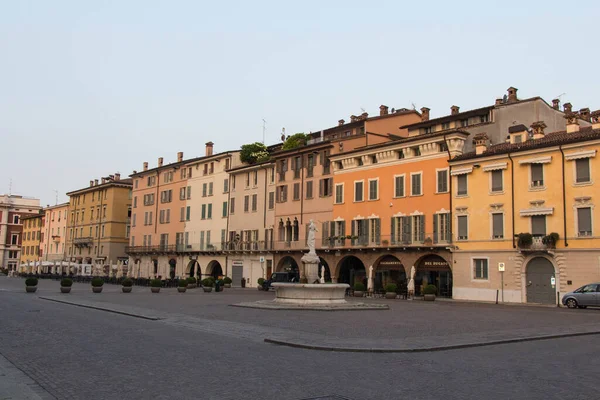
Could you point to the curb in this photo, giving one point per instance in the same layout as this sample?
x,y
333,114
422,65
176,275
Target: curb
x,y
347,307
102,309
425,349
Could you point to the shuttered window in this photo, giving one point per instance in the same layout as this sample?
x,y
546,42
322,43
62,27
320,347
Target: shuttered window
x,y
296,191
462,227
497,181
373,190
480,268
399,186
246,203
537,175
309,189
358,191
584,221
339,194
461,189
538,225
498,226
415,187
442,181
271,200
582,170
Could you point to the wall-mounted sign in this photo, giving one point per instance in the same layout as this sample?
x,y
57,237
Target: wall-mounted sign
x,y
501,267
237,263
261,259
553,281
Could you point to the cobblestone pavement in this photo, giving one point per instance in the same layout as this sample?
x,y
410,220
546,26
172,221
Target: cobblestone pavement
x,y
78,353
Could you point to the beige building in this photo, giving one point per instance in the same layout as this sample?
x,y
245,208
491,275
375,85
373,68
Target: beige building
x,y
98,224
54,233
12,209
33,226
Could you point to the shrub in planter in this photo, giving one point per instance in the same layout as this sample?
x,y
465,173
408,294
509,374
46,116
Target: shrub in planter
x,y
127,285
207,284
429,292
551,239
31,285
65,285
390,290
97,284
182,285
260,283
227,282
525,239
191,282
155,285
359,289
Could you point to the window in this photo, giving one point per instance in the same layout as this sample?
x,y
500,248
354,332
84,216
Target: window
x,y
232,206
189,193
415,187
446,125
297,166
358,191
255,179
188,211
309,189
225,185
209,211
441,227
517,138
15,219
442,181
484,118
461,181
296,191
204,189
497,226
247,179
271,200
538,225
373,189
416,151
399,186
254,202
282,194
134,206
480,268
102,230
537,175
464,122
14,238
582,170
246,203
325,187
133,220
224,209
584,221
233,183
166,196
462,227
182,193
497,185
339,193
210,188
203,215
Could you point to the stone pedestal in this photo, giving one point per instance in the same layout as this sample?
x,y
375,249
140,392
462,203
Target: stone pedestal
x,y
311,267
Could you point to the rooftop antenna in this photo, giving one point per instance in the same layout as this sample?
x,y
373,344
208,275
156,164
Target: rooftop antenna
x,y
413,106
10,187
283,134
362,109
56,193
264,129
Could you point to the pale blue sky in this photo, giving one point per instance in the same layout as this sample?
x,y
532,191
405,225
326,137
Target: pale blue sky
x,y
89,88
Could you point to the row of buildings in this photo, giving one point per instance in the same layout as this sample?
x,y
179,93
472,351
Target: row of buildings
x,y
495,201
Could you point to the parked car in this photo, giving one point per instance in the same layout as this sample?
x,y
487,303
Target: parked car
x,y
587,295
287,277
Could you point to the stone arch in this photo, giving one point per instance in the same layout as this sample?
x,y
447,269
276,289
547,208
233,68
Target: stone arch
x,y
172,268
193,269
389,269
287,263
433,268
214,269
551,263
351,269
327,271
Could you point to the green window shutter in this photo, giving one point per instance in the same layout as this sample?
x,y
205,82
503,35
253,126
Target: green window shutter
x,y
435,228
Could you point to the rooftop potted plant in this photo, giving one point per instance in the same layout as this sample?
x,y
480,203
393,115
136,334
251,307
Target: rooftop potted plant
x,y
227,282
182,285
390,290
260,282
525,239
127,285
65,285
155,285
97,284
429,292
207,284
192,282
359,289
31,285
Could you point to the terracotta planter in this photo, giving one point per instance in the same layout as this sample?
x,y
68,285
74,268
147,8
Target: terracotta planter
x,y
227,285
65,289
359,293
390,295
127,289
97,289
429,297
192,285
207,289
181,289
155,289
30,289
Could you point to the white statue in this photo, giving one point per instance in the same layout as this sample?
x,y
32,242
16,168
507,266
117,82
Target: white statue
x,y
370,280
411,283
312,230
322,279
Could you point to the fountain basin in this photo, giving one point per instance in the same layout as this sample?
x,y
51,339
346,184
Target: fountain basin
x,y
310,293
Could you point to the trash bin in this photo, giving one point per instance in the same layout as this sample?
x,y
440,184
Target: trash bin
x,y
217,286
243,282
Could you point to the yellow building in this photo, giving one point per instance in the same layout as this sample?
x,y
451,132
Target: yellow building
x,y
30,243
524,219
98,225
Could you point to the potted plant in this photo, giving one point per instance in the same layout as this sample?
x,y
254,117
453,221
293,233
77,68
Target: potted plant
x,y
65,285
550,240
97,284
390,290
31,285
429,292
359,289
260,282
207,284
191,282
428,241
182,285
525,239
155,285
127,285
385,242
227,282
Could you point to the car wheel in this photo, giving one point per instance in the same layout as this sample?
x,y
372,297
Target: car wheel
x,y
572,303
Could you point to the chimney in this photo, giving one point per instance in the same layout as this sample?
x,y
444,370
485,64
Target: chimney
x,y
568,108
364,115
556,104
518,133
341,122
596,119
180,156
95,182
383,110
91,183
353,118
498,102
145,166
454,110
512,94
572,122
480,142
538,129
209,149
103,181
117,176
425,114
160,162
584,114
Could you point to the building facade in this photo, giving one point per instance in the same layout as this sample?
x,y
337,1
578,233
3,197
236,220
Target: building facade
x,y
31,251
525,218
12,209
55,233
98,224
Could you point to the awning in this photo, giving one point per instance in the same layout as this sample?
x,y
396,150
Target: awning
x,y
537,211
461,171
580,154
495,167
537,160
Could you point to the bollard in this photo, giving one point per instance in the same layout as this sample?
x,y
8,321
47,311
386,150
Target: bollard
x,y
557,299
496,296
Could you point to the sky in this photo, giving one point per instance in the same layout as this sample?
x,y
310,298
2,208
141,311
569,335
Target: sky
x,y
90,88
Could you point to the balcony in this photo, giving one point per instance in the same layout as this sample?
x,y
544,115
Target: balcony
x,y
246,246
56,238
405,240
83,241
529,243
172,249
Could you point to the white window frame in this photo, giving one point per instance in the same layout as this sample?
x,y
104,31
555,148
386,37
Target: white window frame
x,y
403,176
492,213
461,195
491,173
537,188
576,208
437,170
473,277
591,181
369,189
335,194
363,191
458,231
411,183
